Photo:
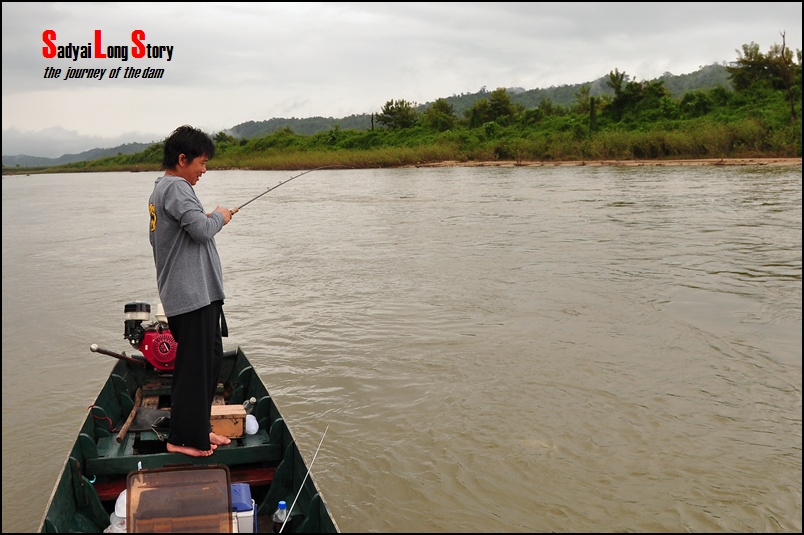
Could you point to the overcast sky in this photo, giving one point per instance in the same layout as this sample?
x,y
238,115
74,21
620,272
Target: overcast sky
x,y
238,62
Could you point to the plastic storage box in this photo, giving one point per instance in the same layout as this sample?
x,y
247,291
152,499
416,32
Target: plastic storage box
x,y
179,499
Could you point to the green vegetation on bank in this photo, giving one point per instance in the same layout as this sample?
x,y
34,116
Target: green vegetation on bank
x,y
759,116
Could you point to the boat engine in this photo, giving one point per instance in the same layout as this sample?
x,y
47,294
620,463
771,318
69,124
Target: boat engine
x,y
152,339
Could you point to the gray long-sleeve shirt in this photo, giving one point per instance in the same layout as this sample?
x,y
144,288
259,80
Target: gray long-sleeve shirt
x,y
188,268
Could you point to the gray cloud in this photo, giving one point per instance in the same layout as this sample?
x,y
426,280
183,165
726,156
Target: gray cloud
x,y
236,62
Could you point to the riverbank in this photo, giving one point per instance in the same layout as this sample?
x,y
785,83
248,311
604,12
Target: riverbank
x,y
154,168
619,163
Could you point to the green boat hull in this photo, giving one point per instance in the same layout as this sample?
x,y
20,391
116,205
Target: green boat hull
x,y
96,469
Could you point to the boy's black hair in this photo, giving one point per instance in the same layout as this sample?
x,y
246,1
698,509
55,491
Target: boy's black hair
x,y
189,141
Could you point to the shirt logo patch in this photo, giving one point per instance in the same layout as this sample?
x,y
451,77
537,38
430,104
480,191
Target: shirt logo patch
x,y
152,209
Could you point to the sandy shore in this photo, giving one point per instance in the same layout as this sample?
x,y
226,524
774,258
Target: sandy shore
x,y
621,163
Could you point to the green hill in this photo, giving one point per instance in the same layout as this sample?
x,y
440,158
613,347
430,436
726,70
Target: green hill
x,y
24,160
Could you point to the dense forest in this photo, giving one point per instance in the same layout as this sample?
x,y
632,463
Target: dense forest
x,y
748,108
707,77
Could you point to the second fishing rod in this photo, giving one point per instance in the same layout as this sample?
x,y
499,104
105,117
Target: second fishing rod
x,y
235,210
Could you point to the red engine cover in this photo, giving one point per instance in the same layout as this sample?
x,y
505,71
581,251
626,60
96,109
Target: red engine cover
x,y
159,349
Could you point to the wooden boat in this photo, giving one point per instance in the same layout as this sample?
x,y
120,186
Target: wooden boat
x,y
121,445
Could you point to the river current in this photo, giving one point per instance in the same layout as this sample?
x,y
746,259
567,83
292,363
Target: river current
x,y
526,349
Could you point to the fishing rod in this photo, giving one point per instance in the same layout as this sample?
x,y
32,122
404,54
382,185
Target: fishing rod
x,y
235,210
301,487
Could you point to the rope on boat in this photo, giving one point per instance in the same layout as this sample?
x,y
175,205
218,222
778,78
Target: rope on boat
x,y
111,423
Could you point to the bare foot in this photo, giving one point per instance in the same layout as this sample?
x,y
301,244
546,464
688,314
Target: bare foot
x,y
216,439
187,450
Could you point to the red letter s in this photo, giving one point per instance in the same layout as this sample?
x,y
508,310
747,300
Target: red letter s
x,y
138,51
49,51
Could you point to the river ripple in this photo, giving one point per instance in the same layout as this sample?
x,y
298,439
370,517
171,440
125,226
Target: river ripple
x,y
492,349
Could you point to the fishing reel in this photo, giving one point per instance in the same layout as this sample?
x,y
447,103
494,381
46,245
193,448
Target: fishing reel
x,y
154,340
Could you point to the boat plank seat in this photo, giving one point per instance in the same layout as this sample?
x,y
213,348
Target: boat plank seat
x,y
110,490
151,394
114,458
150,402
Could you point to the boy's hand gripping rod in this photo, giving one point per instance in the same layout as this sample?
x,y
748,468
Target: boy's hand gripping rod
x,y
235,210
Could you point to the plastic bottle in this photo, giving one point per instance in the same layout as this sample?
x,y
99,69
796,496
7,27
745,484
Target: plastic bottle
x,y
249,404
117,520
280,515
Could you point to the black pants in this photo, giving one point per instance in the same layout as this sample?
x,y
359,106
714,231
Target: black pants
x,y
199,353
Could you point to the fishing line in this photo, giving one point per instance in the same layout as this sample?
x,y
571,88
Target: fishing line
x,y
235,210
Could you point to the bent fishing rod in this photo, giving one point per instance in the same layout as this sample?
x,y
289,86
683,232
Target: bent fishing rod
x,y
235,210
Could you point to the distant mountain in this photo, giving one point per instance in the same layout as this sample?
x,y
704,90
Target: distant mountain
x,y
23,160
705,78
